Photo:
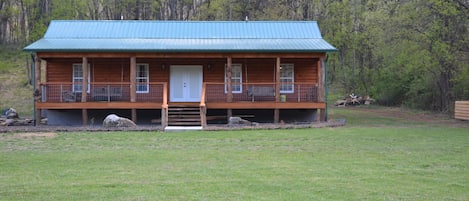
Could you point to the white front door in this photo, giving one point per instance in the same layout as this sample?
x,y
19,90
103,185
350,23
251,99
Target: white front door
x,y
185,83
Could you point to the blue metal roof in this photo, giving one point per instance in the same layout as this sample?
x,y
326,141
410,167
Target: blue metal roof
x,y
170,36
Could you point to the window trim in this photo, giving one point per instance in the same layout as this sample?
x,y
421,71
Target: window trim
x,y
146,78
240,78
79,66
292,78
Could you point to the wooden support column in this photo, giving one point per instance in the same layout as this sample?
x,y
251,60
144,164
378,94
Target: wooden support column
x,y
229,71
321,87
277,90
134,115
229,95
84,84
37,88
84,89
133,86
164,106
133,79
84,116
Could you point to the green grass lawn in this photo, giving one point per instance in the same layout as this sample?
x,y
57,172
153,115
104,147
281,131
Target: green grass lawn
x,y
346,163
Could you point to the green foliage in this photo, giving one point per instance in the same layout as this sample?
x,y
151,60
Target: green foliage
x,y
412,53
461,89
393,52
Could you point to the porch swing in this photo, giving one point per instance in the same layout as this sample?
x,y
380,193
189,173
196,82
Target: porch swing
x,y
116,91
259,91
109,93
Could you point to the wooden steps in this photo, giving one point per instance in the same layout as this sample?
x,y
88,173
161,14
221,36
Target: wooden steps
x,y
183,115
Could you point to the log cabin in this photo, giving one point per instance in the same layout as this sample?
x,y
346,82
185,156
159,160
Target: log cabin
x,y
180,72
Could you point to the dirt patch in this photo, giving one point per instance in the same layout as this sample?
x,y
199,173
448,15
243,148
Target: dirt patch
x,y
410,116
27,136
403,116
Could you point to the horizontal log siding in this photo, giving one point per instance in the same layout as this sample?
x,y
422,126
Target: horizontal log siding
x,y
305,70
259,70
461,110
104,70
59,70
262,70
109,70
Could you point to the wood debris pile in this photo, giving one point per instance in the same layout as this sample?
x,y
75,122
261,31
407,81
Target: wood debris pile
x,y
353,99
11,118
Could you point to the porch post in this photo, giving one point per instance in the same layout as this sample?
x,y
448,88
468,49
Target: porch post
x,y
84,89
133,87
277,90
37,90
321,87
84,84
134,115
164,107
229,97
133,77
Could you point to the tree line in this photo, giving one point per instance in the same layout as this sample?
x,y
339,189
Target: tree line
x,y
401,52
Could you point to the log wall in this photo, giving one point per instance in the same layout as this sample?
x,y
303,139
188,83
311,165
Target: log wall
x,y
118,69
461,110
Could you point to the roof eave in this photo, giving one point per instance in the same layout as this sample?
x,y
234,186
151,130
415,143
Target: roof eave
x,y
180,50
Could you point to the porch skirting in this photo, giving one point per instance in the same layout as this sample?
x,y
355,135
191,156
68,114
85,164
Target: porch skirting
x,y
95,117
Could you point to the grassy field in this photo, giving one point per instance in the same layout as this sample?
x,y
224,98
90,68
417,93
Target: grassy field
x,y
372,158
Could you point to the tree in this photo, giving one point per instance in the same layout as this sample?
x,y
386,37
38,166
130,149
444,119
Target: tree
x,y
413,53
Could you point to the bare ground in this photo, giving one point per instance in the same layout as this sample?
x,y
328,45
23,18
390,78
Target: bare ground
x,y
406,116
28,135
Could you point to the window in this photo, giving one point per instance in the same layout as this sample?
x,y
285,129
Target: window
x,y
286,78
77,78
236,79
142,78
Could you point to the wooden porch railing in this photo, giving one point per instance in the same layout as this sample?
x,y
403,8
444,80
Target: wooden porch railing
x,y
62,92
261,92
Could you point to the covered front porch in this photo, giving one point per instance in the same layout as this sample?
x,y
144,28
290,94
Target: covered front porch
x,y
116,96
256,84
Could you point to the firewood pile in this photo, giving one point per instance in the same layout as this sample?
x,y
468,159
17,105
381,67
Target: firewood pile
x,y
11,118
353,99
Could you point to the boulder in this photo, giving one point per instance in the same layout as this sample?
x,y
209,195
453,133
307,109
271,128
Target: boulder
x,y
237,121
115,121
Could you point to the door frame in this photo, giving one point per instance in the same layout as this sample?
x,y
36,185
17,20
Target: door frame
x,y
186,97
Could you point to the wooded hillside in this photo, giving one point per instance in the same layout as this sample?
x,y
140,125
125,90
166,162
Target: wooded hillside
x,y
400,52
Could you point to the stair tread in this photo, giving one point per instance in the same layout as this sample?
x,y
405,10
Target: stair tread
x,y
183,109
184,124
181,115
185,112
184,120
